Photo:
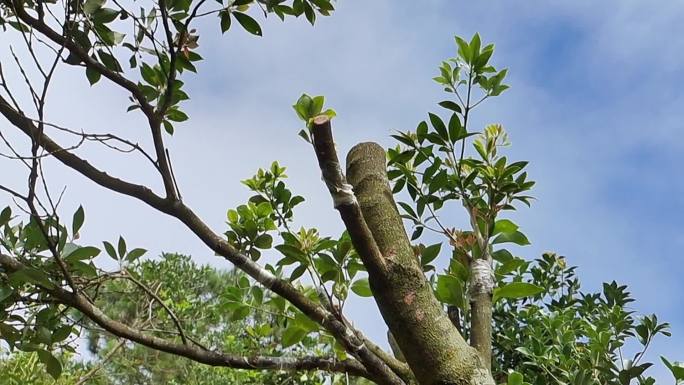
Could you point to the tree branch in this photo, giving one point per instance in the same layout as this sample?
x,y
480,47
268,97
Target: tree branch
x,y
343,197
84,378
79,302
156,121
79,52
154,296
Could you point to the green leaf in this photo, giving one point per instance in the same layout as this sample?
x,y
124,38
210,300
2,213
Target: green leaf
x,y
504,226
77,222
86,269
33,276
5,215
52,365
502,256
109,61
263,241
298,272
110,250
330,113
257,294
43,334
483,58
292,252
457,269
293,335
625,376
302,107
264,209
240,313
168,127
8,332
450,105
516,290
5,291
135,254
61,334
509,266
306,323
421,131
430,253
455,128
474,46
115,37
515,378
121,246
176,115
479,146
149,74
225,21
105,15
463,49
362,288
316,105
90,6
233,216
439,126
248,23
450,290
92,75
676,368
515,237
82,253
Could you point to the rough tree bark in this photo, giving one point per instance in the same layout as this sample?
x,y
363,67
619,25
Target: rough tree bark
x,y
434,349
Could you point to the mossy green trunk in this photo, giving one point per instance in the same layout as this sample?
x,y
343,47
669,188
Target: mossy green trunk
x,y
432,346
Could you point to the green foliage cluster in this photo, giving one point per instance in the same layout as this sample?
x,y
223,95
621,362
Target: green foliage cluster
x,y
220,309
545,328
26,368
163,42
431,165
564,335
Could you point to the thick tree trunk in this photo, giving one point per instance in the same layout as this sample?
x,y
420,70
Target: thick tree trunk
x,y
434,349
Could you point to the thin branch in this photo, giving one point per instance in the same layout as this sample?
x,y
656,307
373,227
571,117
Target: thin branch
x,y
168,310
12,192
34,94
79,52
343,196
84,378
79,302
102,138
161,109
5,86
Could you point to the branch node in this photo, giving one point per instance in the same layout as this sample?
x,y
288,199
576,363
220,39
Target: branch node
x,y
482,278
341,192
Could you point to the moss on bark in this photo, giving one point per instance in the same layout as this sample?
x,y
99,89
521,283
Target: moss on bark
x,y
434,349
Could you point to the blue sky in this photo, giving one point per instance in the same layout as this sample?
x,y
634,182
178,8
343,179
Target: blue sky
x,y
595,105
